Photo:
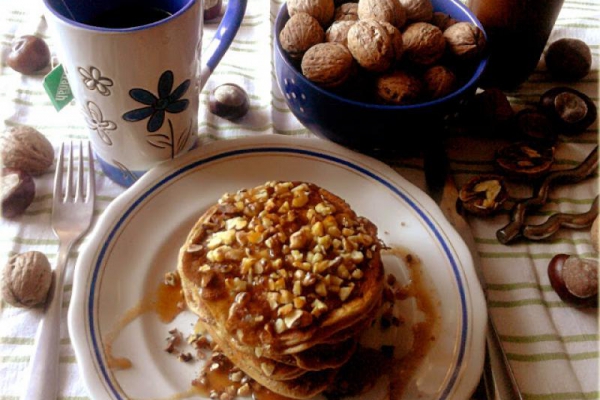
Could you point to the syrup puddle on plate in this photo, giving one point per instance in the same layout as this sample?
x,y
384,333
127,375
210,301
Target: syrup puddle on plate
x,y
388,356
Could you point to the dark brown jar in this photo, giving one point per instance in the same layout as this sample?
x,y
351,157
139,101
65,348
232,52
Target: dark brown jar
x,y
517,34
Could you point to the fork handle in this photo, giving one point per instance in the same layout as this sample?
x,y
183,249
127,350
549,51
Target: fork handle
x,y
43,378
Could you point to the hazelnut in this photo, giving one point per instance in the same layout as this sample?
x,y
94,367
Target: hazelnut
x,y
390,11
300,33
424,43
568,59
346,12
442,20
483,195
574,279
417,10
25,148
17,190
534,124
338,32
525,160
572,111
439,81
321,10
229,101
327,64
371,45
26,279
465,40
398,88
29,54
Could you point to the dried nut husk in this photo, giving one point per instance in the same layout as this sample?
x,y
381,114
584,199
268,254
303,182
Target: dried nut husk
x,y
571,110
465,40
390,11
346,12
321,10
396,39
439,81
442,20
371,45
534,124
338,32
26,149
525,160
417,10
483,195
398,87
26,279
424,43
300,33
328,64
568,59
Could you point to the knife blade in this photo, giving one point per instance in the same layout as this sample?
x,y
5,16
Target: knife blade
x,y
498,376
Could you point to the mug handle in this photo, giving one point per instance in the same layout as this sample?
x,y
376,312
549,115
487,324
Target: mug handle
x,y
226,31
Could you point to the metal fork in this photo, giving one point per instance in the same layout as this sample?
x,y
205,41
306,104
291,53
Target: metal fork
x,y
72,209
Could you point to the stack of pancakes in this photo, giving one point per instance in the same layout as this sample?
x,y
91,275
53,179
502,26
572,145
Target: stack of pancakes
x,y
285,276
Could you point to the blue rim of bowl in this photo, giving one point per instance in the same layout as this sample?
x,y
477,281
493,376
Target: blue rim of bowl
x,y
433,103
139,200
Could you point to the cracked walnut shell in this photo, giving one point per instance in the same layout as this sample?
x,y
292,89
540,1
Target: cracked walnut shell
x,y
465,40
371,45
327,64
398,88
321,10
382,11
300,33
424,43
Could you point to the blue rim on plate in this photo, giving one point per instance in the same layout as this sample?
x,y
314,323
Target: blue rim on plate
x,y
149,186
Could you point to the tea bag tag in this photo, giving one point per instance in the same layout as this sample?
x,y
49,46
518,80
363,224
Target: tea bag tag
x,y
57,87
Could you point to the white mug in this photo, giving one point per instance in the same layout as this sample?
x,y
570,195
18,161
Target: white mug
x,y
134,68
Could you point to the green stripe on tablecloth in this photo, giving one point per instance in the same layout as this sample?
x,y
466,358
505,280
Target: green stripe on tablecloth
x,y
503,287
550,338
538,256
526,302
589,355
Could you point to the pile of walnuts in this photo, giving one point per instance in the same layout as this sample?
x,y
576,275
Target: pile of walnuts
x,y
401,50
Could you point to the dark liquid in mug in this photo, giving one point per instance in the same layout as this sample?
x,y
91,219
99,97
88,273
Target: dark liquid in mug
x,y
129,16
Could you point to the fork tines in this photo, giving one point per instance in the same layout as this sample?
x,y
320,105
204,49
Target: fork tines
x,y
73,187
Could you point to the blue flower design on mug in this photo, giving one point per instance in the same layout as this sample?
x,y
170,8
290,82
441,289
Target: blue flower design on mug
x,y
166,102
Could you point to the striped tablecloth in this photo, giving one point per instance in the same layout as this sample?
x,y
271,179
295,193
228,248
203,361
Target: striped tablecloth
x,y
552,347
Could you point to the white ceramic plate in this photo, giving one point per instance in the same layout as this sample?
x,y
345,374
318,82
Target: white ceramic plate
x,y
138,236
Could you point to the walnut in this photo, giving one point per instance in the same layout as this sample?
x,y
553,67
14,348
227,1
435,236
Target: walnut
x,y
439,81
338,32
321,10
371,45
417,10
346,12
424,43
25,148
26,279
465,40
300,33
382,10
442,20
396,39
398,87
328,64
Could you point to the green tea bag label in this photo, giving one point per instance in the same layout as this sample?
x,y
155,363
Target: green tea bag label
x,y
57,87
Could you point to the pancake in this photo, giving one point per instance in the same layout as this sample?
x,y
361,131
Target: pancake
x,y
285,275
